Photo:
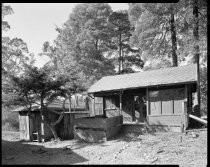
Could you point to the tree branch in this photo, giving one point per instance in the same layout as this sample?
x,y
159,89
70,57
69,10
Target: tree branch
x,y
59,119
56,112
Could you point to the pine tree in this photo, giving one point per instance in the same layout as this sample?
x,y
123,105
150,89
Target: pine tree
x,y
38,86
122,33
155,30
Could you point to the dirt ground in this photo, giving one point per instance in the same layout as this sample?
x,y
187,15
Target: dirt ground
x,y
160,148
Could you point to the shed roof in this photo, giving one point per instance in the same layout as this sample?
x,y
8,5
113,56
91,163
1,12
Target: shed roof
x,y
56,105
164,76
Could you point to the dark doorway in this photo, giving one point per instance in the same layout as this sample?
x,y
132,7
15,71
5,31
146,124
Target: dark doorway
x,y
140,113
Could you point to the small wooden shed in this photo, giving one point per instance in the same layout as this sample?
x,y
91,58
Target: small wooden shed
x,y
155,97
29,126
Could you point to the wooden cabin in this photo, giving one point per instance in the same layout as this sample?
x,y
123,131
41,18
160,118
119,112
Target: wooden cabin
x,y
29,126
155,97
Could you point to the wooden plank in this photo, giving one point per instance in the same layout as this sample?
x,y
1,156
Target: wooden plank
x,y
90,122
31,128
165,115
185,93
89,135
24,127
21,127
112,113
147,98
114,121
103,106
172,106
184,117
120,102
166,97
113,131
190,99
198,119
68,127
127,106
94,110
77,112
169,120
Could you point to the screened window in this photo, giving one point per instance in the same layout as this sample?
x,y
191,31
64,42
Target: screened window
x,y
166,102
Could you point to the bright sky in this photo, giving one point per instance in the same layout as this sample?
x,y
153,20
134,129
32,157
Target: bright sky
x,y
35,23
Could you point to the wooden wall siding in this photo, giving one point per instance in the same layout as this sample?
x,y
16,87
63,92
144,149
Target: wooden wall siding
x,y
98,106
166,102
53,117
190,98
128,107
24,127
111,102
34,124
112,113
31,128
171,120
111,105
179,97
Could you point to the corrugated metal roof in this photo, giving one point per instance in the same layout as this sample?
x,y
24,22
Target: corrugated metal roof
x,y
164,76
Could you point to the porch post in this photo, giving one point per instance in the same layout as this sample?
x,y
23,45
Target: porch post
x,y
184,117
94,106
120,102
147,93
186,98
104,107
190,99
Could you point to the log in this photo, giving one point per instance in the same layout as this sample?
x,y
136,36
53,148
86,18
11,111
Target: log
x,y
198,119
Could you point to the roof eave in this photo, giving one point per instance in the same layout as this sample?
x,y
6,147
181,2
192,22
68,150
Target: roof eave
x,y
168,84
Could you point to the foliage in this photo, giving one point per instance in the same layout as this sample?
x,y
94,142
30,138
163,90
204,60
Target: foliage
x,y
122,29
87,24
37,86
6,10
14,51
66,68
10,121
203,90
152,30
152,27
14,55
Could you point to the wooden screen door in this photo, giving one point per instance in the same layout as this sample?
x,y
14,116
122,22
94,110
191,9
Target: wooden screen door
x,y
138,108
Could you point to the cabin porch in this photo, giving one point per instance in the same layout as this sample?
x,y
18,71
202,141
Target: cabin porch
x,y
156,108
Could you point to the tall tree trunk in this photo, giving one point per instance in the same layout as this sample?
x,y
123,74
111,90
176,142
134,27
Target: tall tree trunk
x,y
122,60
196,46
120,48
173,39
69,96
68,123
41,138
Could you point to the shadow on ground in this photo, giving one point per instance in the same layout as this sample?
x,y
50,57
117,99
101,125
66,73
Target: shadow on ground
x,y
20,152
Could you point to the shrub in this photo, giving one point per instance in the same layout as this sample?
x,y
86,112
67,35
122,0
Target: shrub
x,y
10,120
